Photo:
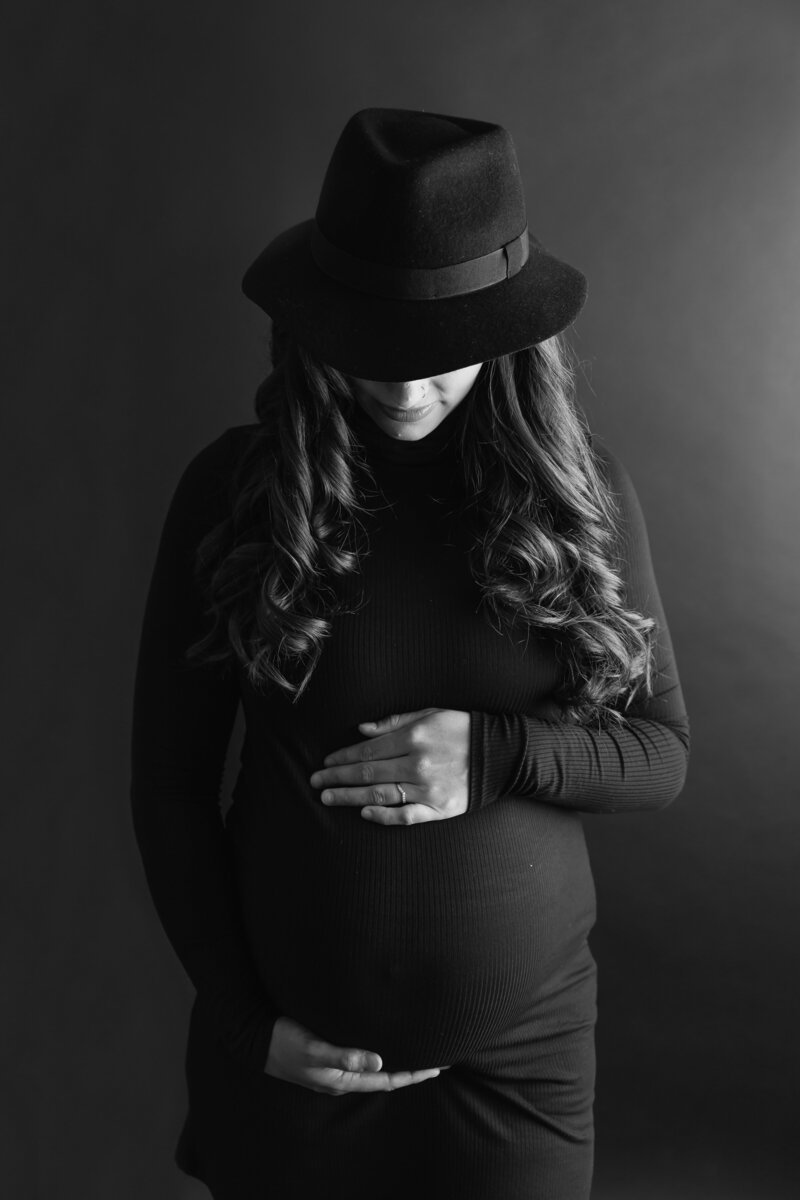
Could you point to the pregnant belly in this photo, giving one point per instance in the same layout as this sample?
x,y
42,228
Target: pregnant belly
x,y
420,943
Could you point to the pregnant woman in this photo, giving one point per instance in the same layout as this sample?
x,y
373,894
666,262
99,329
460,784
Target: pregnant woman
x,y
429,586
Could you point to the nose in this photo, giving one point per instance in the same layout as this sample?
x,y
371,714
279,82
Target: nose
x,y
408,391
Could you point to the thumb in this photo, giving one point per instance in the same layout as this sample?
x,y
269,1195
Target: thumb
x,y
395,721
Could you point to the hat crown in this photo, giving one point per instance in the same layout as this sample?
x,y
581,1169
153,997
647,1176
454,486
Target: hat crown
x,y
421,190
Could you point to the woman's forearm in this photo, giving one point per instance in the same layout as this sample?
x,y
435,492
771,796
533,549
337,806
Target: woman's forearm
x,y
185,856
639,766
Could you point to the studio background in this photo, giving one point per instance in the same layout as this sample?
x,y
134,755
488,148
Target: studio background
x,y
153,150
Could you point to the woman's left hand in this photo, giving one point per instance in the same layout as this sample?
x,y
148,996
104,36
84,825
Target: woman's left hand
x,y
425,753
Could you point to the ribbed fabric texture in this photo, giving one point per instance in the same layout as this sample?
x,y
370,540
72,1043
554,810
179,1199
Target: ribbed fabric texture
x,y
459,942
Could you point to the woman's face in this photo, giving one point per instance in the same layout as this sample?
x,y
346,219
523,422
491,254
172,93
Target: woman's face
x,y
412,409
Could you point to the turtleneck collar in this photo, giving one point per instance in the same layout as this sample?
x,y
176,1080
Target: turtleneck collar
x,y
434,446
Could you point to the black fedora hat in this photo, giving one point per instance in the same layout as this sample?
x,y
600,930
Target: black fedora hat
x,y
419,260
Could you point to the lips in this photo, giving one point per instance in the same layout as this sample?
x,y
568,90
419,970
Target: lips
x,y
406,415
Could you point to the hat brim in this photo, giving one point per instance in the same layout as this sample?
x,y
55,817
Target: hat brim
x,y
371,337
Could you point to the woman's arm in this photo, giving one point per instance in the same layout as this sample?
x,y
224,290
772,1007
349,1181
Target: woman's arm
x,y
641,765
182,721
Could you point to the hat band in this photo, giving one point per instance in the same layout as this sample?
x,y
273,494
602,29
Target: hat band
x,y
420,283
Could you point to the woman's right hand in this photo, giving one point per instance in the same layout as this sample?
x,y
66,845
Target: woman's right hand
x,y
297,1056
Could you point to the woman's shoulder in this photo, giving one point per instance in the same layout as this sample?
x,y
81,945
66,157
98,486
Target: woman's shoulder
x,y
224,451
630,517
611,465
216,461
614,471
204,486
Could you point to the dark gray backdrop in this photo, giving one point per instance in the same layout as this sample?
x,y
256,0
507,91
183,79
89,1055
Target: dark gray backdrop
x,y
154,149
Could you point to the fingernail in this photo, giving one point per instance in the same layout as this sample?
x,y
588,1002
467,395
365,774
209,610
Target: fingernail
x,y
315,779
369,725
366,814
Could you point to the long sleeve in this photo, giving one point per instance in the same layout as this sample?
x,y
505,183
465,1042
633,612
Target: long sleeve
x,y
182,721
641,765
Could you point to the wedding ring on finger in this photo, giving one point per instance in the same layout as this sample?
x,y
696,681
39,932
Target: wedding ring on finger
x,y
402,791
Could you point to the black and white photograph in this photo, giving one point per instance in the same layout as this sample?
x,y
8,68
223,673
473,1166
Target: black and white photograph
x,y
404,469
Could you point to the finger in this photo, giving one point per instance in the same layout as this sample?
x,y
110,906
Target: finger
x,y
339,1058
385,771
385,738
381,795
400,814
379,748
395,721
400,1079
341,1082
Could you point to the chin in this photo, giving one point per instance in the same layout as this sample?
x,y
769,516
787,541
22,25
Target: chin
x,y
411,433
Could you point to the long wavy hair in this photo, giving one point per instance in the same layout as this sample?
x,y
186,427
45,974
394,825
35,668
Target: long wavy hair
x,y
543,522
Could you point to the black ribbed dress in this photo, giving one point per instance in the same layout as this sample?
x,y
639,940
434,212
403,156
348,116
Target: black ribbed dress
x,y
460,942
